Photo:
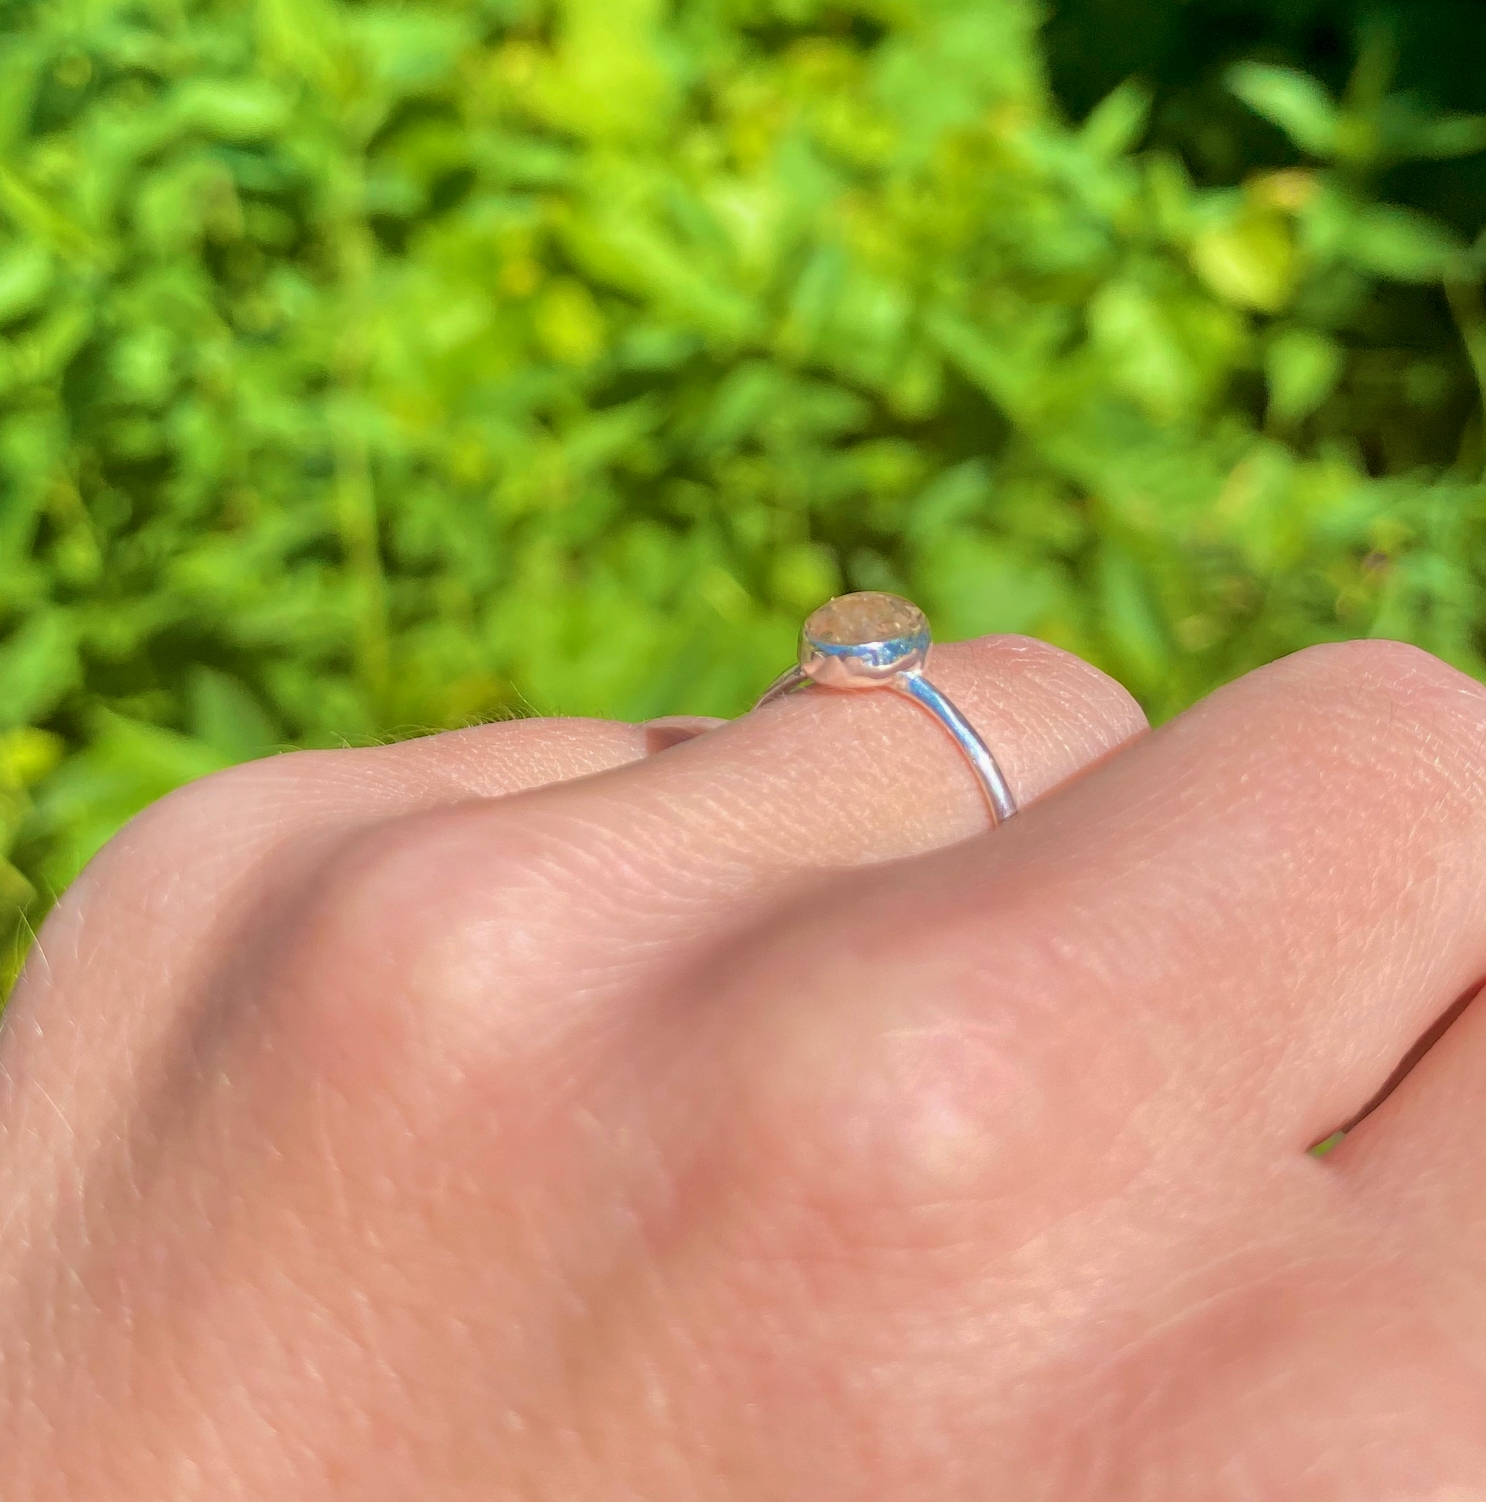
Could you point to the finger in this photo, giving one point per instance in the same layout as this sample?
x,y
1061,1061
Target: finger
x,y
1257,909
828,778
820,780
516,897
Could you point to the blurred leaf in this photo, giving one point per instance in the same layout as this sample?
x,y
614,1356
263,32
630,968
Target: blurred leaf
x,y
1302,368
38,665
1406,246
1133,617
25,275
976,585
803,576
1250,261
27,755
1116,124
232,110
1145,356
1291,100
227,717
1448,136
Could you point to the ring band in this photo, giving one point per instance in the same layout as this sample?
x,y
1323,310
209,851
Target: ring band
x,y
875,640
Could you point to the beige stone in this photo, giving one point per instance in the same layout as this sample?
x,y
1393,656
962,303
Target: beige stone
x,y
871,616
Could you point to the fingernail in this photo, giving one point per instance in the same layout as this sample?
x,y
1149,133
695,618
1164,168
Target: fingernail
x,y
671,730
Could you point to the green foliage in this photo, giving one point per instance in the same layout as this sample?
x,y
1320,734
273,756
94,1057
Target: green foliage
x,y
369,368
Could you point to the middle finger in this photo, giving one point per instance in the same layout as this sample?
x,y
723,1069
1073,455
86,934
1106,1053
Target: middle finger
x,y
1276,894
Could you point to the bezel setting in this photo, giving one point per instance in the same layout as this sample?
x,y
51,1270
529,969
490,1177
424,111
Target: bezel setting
x,y
894,638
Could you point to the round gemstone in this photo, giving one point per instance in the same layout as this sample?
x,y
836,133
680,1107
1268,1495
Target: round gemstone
x,y
860,619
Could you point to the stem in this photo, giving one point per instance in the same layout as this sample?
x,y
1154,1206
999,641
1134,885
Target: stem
x,y
354,488
1469,314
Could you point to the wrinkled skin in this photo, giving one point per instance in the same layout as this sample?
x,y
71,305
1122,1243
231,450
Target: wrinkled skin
x,y
570,1110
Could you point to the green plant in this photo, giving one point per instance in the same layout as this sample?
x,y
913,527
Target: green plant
x,y
370,367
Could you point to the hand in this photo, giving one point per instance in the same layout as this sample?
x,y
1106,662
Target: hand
x,y
514,1114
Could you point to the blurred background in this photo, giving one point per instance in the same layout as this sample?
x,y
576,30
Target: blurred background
x,y
372,368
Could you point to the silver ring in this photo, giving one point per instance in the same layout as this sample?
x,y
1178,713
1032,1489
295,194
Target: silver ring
x,y
874,640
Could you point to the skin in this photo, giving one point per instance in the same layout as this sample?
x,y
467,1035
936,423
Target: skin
x,y
570,1110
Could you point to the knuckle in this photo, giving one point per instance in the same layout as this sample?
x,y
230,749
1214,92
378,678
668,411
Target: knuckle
x,y
161,879
254,799
428,936
195,841
1394,667
1404,711
908,1088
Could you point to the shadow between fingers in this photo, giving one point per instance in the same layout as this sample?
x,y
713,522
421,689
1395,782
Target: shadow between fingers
x,y
1431,1035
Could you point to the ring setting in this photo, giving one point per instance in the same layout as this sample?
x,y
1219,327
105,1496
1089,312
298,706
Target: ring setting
x,y
876,640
